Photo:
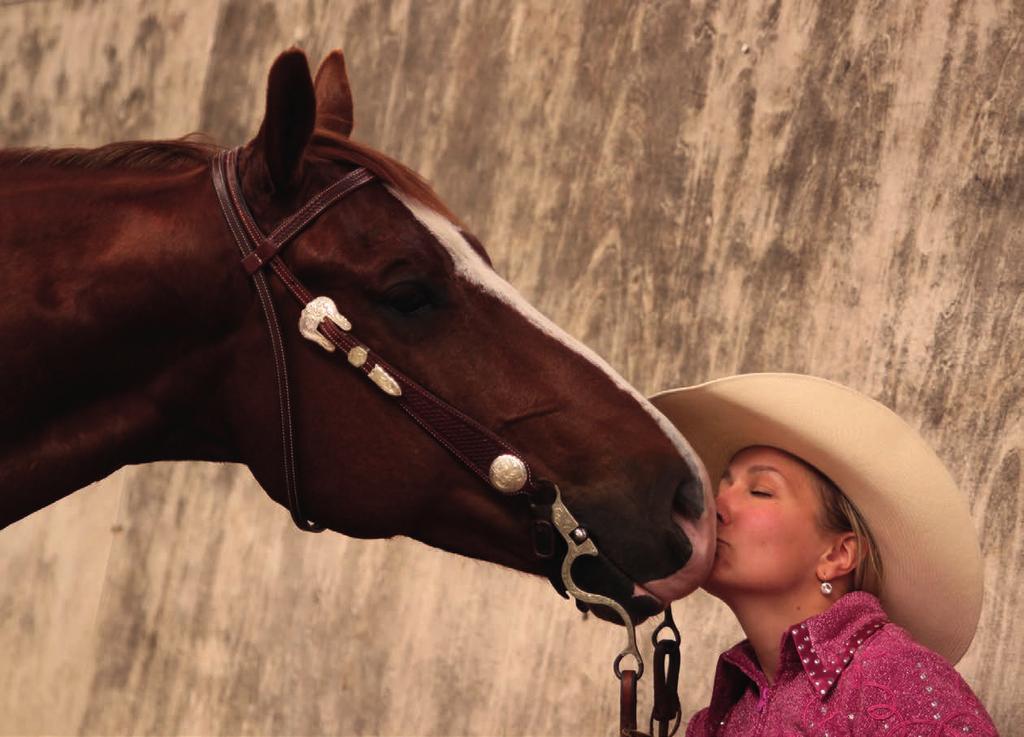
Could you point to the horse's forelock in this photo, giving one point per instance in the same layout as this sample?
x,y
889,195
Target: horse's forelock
x,y
330,146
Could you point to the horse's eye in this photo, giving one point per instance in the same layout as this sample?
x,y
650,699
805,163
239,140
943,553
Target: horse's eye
x,y
408,297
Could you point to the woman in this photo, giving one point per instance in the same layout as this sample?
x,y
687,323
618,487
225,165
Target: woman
x,y
846,553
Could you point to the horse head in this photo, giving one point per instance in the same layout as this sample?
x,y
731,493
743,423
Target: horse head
x,y
420,291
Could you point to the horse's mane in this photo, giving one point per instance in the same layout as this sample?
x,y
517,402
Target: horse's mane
x,y
197,148
193,148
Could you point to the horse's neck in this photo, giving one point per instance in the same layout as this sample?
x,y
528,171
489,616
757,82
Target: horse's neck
x,y
112,325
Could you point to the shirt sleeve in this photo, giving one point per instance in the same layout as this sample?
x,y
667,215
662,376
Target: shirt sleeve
x,y
916,691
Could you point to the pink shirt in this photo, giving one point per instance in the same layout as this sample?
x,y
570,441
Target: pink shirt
x,y
847,672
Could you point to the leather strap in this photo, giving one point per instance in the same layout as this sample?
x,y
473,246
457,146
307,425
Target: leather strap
x,y
627,704
291,227
247,239
666,709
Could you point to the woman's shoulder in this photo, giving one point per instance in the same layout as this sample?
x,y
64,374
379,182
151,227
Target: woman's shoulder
x,y
699,726
900,681
894,653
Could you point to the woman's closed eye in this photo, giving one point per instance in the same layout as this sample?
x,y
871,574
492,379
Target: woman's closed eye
x,y
760,492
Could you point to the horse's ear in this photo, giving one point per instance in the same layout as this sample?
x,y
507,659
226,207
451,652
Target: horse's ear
x,y
289,119
334,95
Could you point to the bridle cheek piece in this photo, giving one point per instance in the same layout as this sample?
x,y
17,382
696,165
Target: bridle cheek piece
x,y
486,455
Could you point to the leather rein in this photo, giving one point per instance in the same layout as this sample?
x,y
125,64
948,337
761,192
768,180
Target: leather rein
x,y
491,458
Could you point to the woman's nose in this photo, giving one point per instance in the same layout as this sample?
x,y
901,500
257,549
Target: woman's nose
x,y
722,504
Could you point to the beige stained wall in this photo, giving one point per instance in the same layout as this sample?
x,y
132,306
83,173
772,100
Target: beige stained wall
x,y
693,188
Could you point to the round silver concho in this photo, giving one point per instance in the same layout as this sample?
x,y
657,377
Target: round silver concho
x,y
508,473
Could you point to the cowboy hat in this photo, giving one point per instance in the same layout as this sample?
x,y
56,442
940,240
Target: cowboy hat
x,y
932,572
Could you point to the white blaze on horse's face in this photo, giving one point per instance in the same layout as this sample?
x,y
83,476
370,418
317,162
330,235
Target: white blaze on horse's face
x,y
471,267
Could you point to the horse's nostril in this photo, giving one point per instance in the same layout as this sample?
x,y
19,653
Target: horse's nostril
x,y
689,499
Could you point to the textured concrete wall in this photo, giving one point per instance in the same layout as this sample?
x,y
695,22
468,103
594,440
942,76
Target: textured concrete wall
x,y
694,189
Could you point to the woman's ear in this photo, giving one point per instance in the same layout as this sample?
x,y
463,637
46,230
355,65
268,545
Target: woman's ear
x,y
289,119
334,95
842,557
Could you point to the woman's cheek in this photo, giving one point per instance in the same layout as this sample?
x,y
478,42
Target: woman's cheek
x,y
765,529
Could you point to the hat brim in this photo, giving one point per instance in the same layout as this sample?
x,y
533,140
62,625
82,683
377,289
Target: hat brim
x,y
931,559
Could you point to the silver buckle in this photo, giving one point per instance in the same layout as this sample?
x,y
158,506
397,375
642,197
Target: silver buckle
x,y
315,311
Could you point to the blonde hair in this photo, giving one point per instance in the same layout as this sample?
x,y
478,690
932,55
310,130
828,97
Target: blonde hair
x,y
840,514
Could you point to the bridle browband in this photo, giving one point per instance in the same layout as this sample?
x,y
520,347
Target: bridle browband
x,y
489,457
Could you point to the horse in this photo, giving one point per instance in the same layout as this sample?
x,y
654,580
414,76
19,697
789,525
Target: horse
x,y
132,332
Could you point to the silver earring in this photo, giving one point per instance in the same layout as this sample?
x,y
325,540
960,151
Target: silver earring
x,y
826,588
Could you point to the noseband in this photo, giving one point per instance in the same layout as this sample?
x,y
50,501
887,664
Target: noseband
x,y
491,458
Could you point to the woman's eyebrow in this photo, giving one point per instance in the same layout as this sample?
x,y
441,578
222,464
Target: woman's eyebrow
x,y
761,468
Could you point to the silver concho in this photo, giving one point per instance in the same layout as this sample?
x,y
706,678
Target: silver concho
x,y
384,380
508,473
357,356
313,313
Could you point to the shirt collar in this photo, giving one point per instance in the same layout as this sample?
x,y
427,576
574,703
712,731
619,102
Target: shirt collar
x,y
821,646
825,643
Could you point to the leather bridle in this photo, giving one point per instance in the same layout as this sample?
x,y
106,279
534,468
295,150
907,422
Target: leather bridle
x,y
491,458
